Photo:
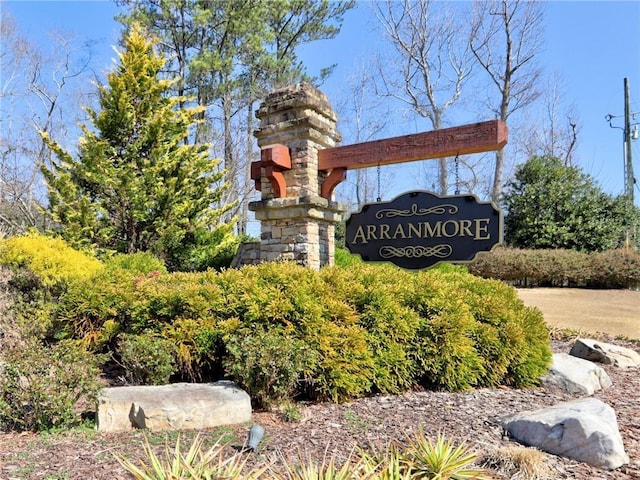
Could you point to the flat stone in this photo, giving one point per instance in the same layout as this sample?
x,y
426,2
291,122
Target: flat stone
x,y
575,375
179,406
606,353
585,430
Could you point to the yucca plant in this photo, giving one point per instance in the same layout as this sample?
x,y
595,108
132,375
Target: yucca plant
x,y
441,460
196,464
388,464
327,469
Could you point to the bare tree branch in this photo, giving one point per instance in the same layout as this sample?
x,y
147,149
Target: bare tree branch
x,y
506,36
433,60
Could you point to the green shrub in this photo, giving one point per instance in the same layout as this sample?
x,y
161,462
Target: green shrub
x,y
533,359
143,263
367,328
507,334
41,386
10,331
97,308
199,348
444,352
146,358
203,249
268,364
296,300
379,296
343,258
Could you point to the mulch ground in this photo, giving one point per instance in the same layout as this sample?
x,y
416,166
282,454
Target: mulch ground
x,y
335,430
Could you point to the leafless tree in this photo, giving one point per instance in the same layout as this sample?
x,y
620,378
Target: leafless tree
x,y
39,91
432,59
505,38
362,117
556,133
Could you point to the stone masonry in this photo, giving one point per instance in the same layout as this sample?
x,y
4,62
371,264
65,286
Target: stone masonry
x,y
297,223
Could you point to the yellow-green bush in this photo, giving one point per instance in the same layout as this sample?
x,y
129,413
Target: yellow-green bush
x,y
141,262
46,263
503,329
379,298
97,308
367,328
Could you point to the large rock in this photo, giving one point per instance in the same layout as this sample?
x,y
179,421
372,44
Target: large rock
x,y
575,375
606,353
179,406
585,430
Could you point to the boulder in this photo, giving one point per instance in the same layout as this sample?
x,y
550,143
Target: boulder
x,y
179,406
585,430
606,353
575,375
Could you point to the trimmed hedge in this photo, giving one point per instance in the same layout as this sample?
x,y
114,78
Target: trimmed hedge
x,y
283,331
560,268
362,330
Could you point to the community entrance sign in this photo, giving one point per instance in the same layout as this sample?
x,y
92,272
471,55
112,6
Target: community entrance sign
x,y
420,229
301,164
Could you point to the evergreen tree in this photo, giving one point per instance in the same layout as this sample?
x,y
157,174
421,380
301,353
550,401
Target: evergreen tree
x,y
136,185
552,205
229,54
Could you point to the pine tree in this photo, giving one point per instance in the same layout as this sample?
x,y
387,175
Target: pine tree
x,y
136,185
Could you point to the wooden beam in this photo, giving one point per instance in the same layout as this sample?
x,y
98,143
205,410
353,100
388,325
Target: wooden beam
x,y
447,142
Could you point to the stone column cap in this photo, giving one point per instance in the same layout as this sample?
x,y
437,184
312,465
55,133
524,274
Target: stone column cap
x,y
312,207
299,95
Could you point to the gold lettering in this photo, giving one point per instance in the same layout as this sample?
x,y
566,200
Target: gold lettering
x,y
465,228
371,232
399,232
414,229
359,235
384,232
482,227
430,231
455,228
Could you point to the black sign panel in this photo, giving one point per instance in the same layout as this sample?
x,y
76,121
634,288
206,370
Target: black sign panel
x,y
420,229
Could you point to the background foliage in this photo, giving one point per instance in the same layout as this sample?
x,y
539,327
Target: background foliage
x,y
560,268
552,205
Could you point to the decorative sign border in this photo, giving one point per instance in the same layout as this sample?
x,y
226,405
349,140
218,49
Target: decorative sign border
x,y
420,229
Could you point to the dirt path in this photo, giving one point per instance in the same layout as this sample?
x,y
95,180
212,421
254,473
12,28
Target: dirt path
x,y
616,312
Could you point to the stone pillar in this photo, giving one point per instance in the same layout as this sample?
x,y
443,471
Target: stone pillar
x,y
297,224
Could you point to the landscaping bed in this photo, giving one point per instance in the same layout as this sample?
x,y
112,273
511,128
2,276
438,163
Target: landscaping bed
x,y
335,429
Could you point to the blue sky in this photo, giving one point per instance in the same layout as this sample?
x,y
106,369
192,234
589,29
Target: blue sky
x,y
592,45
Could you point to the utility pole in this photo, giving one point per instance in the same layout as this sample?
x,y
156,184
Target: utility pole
x,y
630,132
628,164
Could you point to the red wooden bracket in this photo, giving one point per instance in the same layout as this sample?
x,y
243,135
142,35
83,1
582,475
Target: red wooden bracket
x,y
256,173
274,159
336,176
277,180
